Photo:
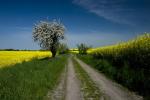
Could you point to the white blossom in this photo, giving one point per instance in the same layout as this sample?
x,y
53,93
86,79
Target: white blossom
x,y
48,34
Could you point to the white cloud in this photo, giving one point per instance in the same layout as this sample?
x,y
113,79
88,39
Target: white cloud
x,y
113,10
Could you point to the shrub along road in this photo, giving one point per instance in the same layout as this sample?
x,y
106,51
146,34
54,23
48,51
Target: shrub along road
x,y
100,85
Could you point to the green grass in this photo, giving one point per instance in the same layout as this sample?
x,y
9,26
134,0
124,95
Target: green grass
x,y
134,79
30,80
89,88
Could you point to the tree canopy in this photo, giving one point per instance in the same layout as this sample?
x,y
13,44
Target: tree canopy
x,y
48,34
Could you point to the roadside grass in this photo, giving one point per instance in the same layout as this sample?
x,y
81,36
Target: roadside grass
x,y
133,79
88,87
30,80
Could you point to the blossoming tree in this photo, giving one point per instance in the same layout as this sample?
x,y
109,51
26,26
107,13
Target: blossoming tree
x,y
48,35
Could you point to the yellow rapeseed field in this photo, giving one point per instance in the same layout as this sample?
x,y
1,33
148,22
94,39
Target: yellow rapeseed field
x,y
74,51
13,57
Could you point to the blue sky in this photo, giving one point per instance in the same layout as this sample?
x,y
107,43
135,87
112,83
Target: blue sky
x,y
94,22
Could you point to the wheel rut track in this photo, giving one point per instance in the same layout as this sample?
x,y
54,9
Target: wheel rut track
x,y
112,90
69,86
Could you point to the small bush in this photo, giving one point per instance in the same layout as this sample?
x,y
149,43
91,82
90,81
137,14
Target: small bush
x,y
82,48
63,49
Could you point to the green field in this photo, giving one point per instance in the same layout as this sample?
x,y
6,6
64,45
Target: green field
x,y
30,80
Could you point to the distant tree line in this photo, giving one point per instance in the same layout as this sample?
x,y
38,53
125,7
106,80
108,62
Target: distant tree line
x,y
21,50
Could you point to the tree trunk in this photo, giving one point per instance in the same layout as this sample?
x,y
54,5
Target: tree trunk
x,y
53,52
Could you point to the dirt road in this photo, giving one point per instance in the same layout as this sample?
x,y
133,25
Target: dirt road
x,y
72,85
69,86
113,91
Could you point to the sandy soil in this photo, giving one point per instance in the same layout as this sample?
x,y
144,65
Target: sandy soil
x,y
68,87
111,90
72,84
